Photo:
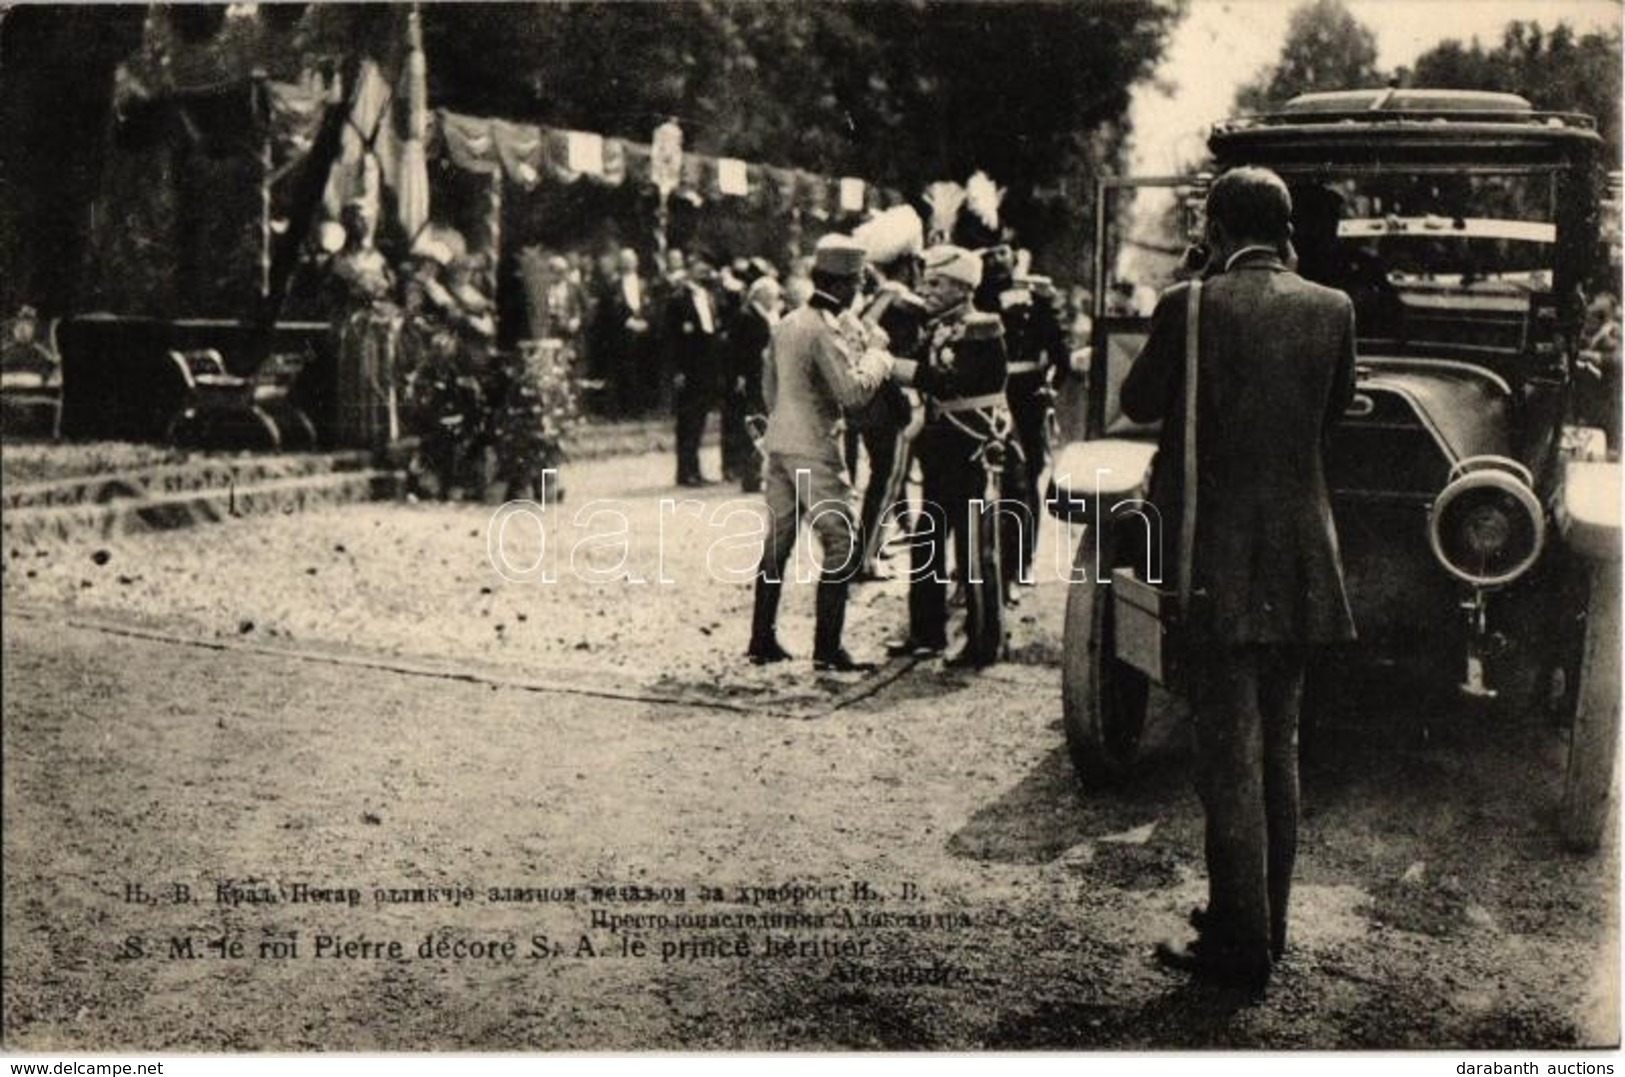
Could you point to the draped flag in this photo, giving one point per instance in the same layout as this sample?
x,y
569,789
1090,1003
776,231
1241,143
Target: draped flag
x,y
732,178
369,154
666,158
851,195
412,189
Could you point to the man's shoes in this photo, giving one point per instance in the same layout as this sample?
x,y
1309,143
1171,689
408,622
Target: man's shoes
x,y
1214,965
1199,920
841,662
869,574
694,481
1180,956
913,648
767,652
967,659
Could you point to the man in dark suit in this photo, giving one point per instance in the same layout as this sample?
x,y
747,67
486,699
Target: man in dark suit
x,y
744,354
691,338
620,345
1276,369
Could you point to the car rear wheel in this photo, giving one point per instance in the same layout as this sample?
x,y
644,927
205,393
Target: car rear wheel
x,y
1103,700
1588,793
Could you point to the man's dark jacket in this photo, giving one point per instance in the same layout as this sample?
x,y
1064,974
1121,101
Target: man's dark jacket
x,y
746,351
1276,370
691,347
617,354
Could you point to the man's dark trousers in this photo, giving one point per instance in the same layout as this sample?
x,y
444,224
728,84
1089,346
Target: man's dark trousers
x,y
1246,701
1029,412
952,481
694,403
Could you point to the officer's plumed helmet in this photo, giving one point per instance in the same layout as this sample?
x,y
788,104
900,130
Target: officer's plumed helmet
x,y
839,256
954,263
895,233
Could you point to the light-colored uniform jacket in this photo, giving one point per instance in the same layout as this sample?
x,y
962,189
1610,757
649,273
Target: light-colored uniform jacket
x,y
816,367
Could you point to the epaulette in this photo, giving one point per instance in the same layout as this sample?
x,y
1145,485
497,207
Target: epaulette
x,y
983,326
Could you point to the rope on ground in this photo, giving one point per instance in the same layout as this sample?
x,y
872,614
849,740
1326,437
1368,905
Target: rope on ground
x,y
407,667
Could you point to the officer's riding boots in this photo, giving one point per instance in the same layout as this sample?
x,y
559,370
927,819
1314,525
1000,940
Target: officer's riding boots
x,y
764,640
828,654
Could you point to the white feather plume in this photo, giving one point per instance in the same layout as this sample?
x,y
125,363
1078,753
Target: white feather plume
x,y
891,234
982,197
945,199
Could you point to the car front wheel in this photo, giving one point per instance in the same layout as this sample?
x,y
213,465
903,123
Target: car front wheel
x,y
1103,700
1588,793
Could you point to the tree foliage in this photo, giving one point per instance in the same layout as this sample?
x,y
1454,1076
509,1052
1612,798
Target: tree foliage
x,y
56,84
1557,70
1326,48
901,92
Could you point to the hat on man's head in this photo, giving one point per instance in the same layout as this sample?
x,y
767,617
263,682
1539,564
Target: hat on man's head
x,y
978,225
955,263
764,290
840,256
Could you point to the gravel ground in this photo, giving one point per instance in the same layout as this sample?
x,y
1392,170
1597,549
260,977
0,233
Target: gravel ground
x,y
355,698
419,580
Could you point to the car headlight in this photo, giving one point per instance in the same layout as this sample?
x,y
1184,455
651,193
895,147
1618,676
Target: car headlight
x,y
1487,526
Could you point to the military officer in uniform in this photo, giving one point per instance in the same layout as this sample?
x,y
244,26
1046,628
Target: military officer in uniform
x,y
893,240
959,449
822,361
1036,348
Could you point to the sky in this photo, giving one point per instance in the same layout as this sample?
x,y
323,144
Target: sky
x,y
1224,43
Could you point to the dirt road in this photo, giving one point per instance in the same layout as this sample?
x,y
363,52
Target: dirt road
x,y
396,826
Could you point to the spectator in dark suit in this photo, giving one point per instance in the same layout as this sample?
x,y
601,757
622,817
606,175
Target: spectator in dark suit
x,y
620,345
690,337
1275,369
744,353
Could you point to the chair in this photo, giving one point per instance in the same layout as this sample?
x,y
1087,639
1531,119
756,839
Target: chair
x,y
30,378
219,410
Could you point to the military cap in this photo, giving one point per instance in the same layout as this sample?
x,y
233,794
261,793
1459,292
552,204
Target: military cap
x,y
981,325
955,263
841,256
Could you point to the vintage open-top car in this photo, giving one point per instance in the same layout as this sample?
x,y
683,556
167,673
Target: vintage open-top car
x,y
1479,523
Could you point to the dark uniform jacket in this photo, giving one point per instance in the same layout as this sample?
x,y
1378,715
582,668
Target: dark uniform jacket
x,y
1276,369
964,358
